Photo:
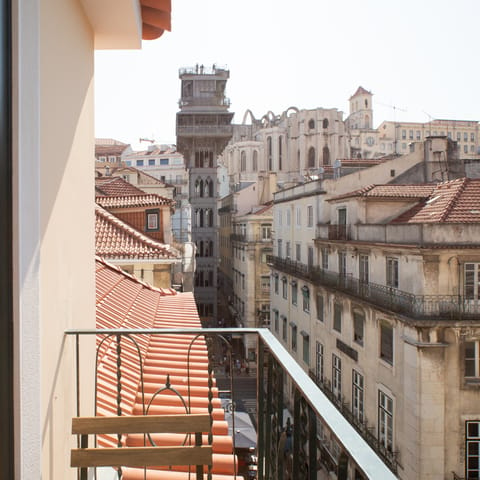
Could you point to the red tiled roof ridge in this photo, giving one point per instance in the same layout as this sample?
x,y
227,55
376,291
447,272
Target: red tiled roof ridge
x,y
453,201
414,190
163,200
354,193
165,249
106,264
105,184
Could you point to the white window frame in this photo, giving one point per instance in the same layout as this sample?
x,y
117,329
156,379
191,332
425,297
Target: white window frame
x,y
358,385
337,376
385,420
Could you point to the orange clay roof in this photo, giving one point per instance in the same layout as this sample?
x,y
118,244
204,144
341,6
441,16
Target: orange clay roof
x,y
390,192
115,186
114,239
454,201
125,201
125,302
155,18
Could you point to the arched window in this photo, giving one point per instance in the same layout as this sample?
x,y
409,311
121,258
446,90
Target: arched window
x,y
209,187
367,121
325,123
311,158
326,155
255,161
280,153
200,188
243,161
197,187
311,124
208,221
269,153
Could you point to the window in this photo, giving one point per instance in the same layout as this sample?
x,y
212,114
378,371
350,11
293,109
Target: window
x,y
337,317
392,272
471,356
471,284
255,161
294,292
243,161
472,450
357,396
342,263
164,161
311,158
309,216
325,123
465,136
298,250
280,153
358,327
284,287
472,137
404,134
275,283
363,270
266,231
410,134
298,217
306,299
319,372
386,342
265,283
311,124
288,218
465,149
275,320
279,243
151,162
325,258
152,222
385,421
306,347
418,136
269,153
139,163
337,376
459,136
288,253
284,328
310,257
294,337
320,307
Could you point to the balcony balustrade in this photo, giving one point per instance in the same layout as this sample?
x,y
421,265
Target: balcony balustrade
x,y
438,307
204,130
299,447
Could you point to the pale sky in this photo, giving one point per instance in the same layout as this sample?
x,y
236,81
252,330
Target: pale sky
x,y
418,57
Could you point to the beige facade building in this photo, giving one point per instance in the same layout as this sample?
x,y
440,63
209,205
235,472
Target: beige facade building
x,y
374,293
48,280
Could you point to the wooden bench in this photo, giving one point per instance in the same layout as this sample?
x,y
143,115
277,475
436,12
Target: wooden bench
x,y
145,456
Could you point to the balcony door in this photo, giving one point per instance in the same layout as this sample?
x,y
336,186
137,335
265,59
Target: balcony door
x,y
471,286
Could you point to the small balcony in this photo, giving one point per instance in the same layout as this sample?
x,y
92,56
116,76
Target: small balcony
x,y
297,437
204,130
426,307
333,232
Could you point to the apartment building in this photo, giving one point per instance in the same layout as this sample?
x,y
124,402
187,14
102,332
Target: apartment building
x,y
373,292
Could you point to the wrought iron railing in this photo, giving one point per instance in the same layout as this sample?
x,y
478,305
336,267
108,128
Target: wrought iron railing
x,y
361,426
286,450
446,307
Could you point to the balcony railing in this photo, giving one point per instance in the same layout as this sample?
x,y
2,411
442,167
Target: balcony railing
x,y
408,234
209,130
286,448
446,307
362,427
242,237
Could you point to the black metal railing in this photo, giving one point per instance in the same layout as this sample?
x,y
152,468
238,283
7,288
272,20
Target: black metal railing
x,y
361,426
446,307
289,446
338,232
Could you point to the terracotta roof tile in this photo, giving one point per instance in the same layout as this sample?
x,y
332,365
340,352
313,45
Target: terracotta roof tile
x,y
125,302
115,186
125,201
114,239
454,201
390,192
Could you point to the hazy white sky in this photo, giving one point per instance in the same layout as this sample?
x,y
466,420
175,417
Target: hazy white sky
x,y
420,56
